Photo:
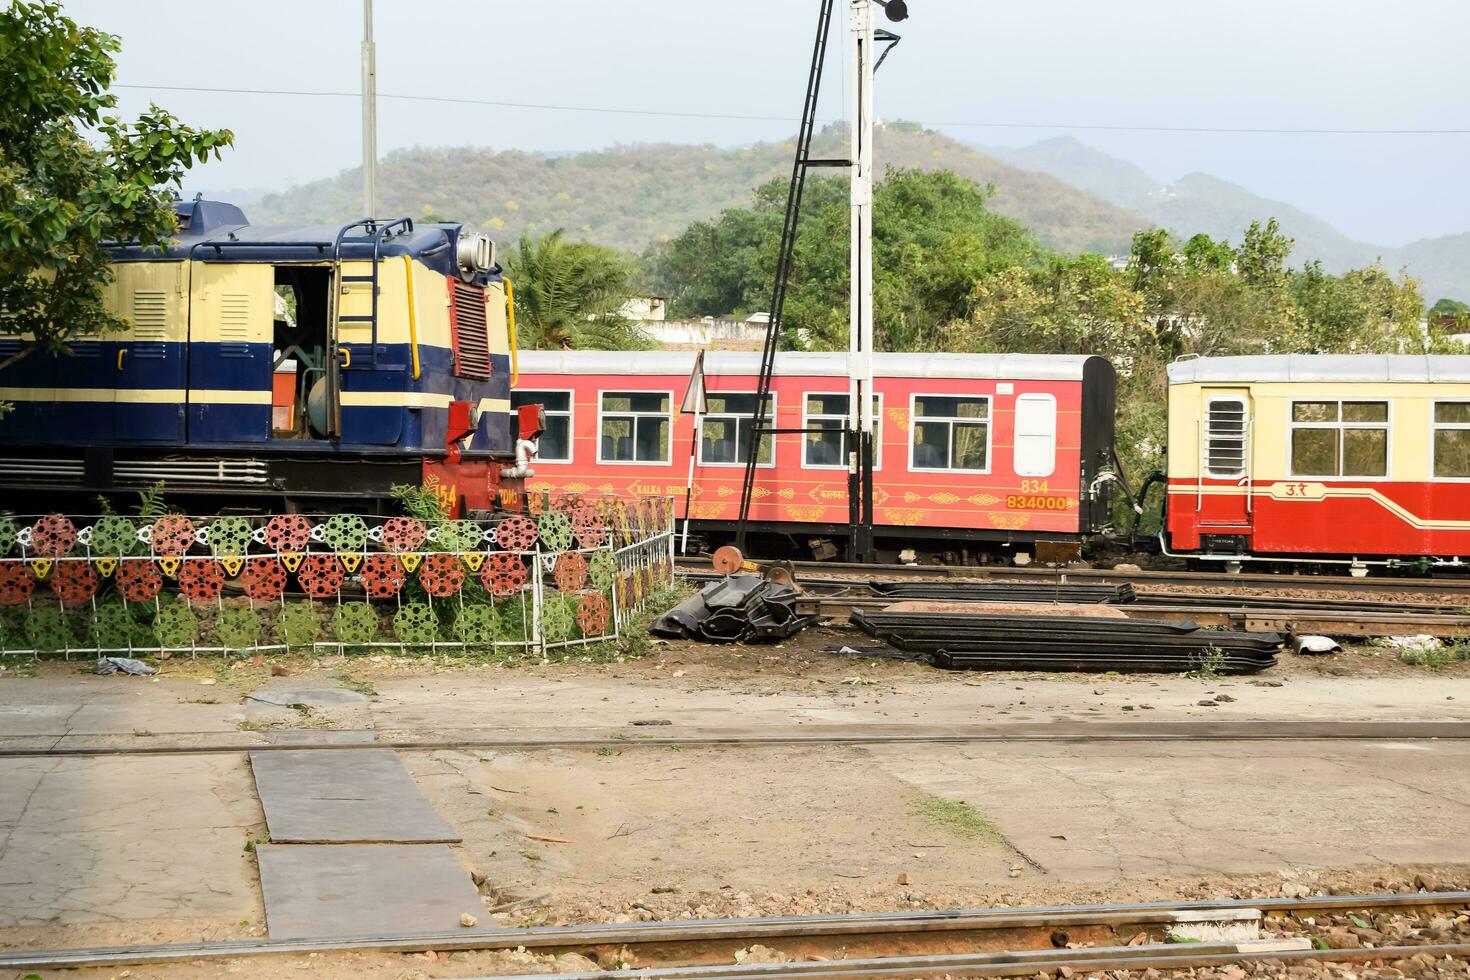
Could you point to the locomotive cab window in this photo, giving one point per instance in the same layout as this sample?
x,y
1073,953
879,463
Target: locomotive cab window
x,y
1339,438
555,445
950,433
829,447
299,354
634,426
724,436
1452,440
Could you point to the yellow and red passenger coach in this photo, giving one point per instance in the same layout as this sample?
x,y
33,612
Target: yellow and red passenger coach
x,y
1002,448
1361,457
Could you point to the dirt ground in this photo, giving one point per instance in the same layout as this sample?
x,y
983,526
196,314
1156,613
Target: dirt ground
x,y
119,850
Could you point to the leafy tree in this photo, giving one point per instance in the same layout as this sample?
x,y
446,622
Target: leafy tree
x,y
1449,307
933,239
61,196
570,294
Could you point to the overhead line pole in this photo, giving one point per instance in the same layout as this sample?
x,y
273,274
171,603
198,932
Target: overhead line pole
x,y
369,114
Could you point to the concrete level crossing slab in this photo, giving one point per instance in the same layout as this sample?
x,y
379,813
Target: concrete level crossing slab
x,y
322,891
342,797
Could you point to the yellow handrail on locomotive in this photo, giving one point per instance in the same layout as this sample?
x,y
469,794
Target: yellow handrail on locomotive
x,y
510,328
413,321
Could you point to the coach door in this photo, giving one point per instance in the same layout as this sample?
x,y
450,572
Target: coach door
x,y
1226,459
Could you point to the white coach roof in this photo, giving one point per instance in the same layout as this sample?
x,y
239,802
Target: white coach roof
x,y
1021,367
1322,367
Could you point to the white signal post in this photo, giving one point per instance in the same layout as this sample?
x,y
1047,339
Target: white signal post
x,y
369,114
860,322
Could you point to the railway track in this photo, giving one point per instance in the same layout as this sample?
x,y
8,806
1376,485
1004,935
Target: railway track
x,y
808,572
974,942
1100,731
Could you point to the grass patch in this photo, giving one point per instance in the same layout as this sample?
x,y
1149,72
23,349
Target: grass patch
x,y
1437,658
1208,663
958,817
365,688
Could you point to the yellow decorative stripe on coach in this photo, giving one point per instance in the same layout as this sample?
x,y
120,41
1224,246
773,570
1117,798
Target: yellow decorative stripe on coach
x,y
1295,490
137,396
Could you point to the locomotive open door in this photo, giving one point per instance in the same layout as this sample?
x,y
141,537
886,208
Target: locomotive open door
x,y
1226,460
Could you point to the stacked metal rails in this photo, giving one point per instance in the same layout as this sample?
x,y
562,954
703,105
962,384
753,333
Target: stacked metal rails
x,y
984,641
980,591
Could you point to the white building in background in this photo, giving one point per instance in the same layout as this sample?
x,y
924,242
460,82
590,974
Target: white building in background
x,y
703,333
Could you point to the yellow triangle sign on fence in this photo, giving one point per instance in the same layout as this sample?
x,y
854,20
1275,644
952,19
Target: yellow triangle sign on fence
x,y
411,561
106,566
40,566
474,559
291,560
350,560
232,564
170,566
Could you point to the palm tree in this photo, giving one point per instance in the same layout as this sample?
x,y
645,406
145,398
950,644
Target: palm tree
x,y
569,295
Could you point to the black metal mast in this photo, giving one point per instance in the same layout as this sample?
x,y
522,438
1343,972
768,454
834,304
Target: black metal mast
x,y
783,265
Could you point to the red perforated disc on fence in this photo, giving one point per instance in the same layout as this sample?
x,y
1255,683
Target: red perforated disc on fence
x,y
288,532
138,579
503,574
16,583
173,534
442,574
403,534
382,576
517,534
321,575
587,526
592,613
53,536
74,581
571,571
264,578
201,579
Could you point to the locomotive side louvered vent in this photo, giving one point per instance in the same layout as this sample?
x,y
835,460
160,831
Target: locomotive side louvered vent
x,y
471,334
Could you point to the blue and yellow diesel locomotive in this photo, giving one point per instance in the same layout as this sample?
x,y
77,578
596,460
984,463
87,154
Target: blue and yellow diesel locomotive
x,y
293,365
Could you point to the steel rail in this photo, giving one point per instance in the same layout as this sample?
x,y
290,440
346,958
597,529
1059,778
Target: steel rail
x,y
1104,576
1042,919
1019,732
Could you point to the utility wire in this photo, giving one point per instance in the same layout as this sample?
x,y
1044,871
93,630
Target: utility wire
x,y
611,110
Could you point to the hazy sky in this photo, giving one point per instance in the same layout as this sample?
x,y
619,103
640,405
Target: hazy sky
x,y
1272,64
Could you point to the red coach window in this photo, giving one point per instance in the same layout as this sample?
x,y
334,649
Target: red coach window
x,y
468,330
1452,440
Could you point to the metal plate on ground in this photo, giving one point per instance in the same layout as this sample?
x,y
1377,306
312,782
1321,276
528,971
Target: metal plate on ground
x,y
343,796
334,890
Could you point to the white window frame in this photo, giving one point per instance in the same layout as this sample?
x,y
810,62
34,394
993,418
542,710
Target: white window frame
x,y
1339,427
706,416
668,416
1245,437
807,424
571,417
1435,426
1035,396
989,422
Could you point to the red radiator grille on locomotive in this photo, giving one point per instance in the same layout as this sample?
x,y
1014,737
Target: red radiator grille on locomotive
x,y
468,330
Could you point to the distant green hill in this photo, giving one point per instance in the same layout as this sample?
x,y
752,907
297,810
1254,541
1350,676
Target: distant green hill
x,y
627,197
1202,203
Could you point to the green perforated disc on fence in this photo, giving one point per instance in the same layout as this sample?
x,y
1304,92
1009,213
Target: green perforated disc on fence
x,y
47,630
460,536
556,618
354,622
176,626
415,623
229,536
7,536
477,624
114,536
113,626
345,532
602,569
298,624
237,627
556,531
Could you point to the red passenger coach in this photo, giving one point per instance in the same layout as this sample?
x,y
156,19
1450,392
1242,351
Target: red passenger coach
x,y
999,448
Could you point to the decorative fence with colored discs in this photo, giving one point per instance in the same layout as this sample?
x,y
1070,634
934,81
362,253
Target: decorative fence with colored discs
x,y
568,572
